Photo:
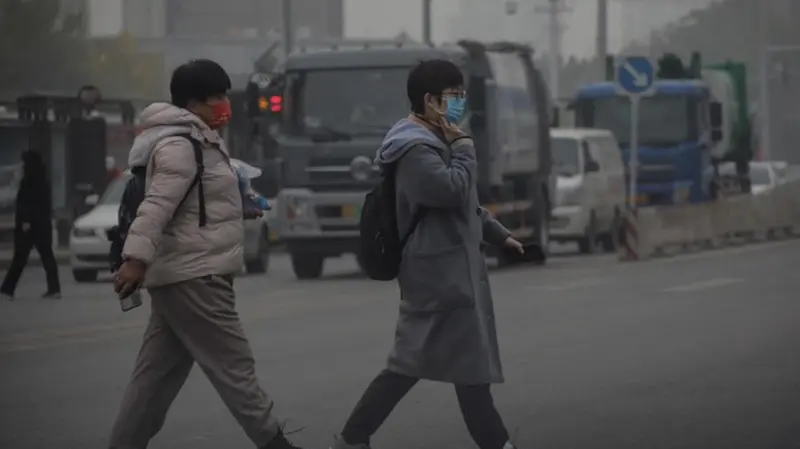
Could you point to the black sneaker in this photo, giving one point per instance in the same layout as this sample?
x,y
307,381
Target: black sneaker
x,y
280,442
52,295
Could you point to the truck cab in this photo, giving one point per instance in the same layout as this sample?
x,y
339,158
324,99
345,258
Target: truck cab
x,y
338,104
674,136
693,120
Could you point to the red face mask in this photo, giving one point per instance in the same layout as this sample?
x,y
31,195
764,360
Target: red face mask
x,y
220,114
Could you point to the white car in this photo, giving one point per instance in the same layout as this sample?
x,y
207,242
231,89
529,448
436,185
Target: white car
x,y
764,176
89,245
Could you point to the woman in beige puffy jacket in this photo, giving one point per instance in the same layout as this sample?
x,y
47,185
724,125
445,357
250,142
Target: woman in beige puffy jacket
x,y
188,266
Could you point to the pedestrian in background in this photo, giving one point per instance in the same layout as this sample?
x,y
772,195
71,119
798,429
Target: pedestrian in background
x,y
184,246
446,329
33,227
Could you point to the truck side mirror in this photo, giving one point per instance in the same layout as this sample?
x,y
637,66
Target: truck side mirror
x,y
591,167
556,118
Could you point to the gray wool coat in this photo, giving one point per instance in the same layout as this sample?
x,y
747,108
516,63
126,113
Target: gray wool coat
x,y
446,328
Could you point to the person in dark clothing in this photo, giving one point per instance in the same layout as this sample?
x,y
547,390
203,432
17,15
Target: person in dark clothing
x,y
446,329
33,227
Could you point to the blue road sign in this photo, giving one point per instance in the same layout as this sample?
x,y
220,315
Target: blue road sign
x,y
635,75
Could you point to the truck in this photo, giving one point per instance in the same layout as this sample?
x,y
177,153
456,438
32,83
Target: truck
x,y
338,102
694,120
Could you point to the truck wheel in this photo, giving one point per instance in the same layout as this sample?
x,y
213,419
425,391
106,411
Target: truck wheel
x,y
82,276
588,244
307,266
260,263
542,234
507,257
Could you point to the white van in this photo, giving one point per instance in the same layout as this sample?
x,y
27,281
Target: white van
x,y
590,190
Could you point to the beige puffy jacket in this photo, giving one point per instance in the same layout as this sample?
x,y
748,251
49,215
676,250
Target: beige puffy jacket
x,y
166,234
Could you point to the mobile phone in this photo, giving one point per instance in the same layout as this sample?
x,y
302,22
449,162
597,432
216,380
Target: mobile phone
x,y
130,301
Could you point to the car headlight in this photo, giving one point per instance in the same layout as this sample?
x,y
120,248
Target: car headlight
x,y
83,232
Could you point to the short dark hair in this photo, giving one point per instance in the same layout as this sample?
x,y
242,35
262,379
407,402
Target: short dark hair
x,y
198,80
431,77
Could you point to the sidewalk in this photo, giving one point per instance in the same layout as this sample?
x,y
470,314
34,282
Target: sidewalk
x,y
62,258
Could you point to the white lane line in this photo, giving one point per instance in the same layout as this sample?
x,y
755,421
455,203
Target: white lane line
x,y
703,285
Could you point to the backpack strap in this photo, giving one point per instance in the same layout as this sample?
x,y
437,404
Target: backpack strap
x,y
420,213
198,178
414,223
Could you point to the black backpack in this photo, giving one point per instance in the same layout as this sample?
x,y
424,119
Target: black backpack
x,y
381,246
133,196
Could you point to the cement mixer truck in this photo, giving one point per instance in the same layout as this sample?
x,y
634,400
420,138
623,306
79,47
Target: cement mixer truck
x,y
695,120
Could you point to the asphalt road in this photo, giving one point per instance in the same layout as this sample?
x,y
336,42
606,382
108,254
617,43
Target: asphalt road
x,y
700,351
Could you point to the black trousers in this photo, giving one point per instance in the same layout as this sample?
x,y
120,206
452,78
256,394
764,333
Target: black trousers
x,y
477,406
41,238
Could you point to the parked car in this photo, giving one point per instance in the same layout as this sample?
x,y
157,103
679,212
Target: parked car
x,y
590,188
89,244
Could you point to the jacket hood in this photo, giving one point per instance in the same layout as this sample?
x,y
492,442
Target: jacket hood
x,y
161,120
402,137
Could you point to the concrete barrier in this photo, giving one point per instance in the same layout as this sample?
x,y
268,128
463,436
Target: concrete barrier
x,y
736,220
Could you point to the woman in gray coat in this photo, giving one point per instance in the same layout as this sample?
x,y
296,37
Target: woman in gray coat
x,y
446,330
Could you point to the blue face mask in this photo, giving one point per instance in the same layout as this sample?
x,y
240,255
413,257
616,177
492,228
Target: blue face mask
x,y
455,109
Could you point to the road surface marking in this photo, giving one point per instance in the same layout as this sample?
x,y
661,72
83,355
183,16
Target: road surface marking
x,y
704,285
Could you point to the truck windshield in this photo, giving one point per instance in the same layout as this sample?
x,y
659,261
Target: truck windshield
x,y
566,158
664,120
342,103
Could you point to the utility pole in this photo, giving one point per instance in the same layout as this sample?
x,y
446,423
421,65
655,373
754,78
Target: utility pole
x,y
602,38
554,10
602,30
426,22
288,27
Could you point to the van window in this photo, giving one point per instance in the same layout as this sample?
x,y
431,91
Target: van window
x,y
517,123
607,152
566,156
592,153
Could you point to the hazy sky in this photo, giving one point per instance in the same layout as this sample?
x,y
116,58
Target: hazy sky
x,y
629,19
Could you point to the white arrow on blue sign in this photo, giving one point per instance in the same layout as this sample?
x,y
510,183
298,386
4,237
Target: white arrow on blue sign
x,y
635,75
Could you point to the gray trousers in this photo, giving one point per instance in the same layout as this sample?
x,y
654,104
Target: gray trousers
x,y
192,321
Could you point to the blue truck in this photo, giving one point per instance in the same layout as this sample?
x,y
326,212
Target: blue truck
x,y
687,127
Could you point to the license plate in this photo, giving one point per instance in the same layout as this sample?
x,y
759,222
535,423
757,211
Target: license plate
x,y
351,211
642,198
